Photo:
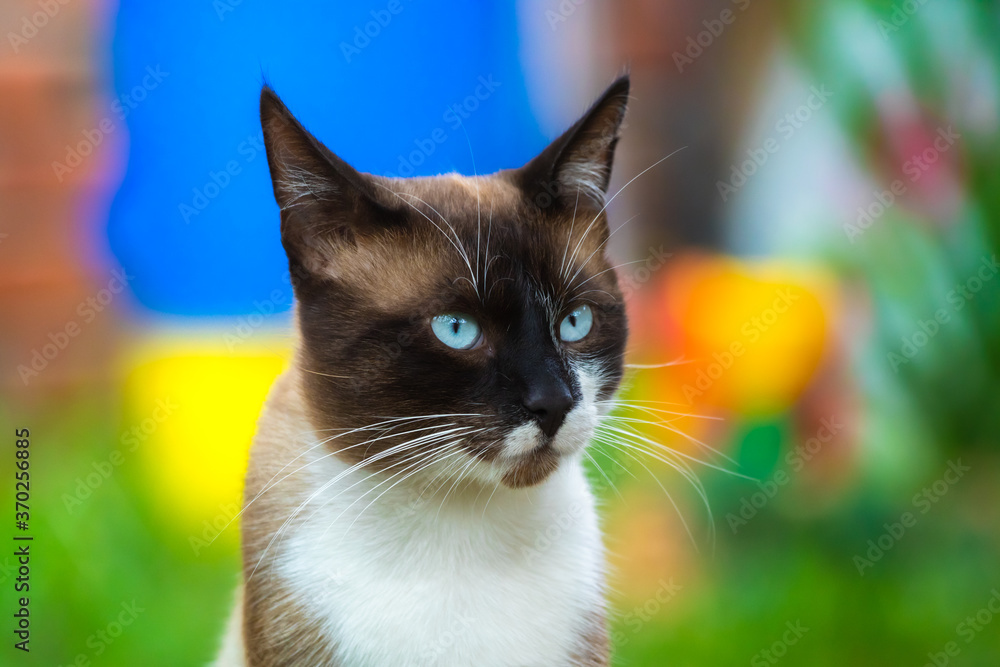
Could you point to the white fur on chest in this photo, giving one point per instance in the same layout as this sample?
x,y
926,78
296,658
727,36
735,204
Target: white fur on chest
x,y
417,581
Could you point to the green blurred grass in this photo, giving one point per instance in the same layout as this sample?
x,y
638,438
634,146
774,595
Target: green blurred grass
x,y
116,548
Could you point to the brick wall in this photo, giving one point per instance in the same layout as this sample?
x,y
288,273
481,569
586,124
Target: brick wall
x,y
50,92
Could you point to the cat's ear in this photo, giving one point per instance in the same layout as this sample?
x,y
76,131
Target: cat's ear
x,y
575,169
325,203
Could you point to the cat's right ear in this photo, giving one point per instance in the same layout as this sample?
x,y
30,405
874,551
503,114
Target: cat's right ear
x,y
325,203
576,167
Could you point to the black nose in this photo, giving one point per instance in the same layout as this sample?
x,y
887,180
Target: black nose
x,y
549,403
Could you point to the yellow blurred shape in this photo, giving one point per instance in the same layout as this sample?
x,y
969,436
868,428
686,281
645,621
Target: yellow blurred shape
x,y
196,457
753,333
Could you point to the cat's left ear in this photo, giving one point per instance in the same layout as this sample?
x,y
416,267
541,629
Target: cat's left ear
x,y
326,205
575,169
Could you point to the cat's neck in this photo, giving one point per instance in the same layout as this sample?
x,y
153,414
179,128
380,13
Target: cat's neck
x,y
366,553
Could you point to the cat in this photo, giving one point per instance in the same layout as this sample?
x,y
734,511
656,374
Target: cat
x,y
416,493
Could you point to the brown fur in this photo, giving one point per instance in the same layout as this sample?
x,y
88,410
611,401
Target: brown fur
x,y
296,638
372,261
595,649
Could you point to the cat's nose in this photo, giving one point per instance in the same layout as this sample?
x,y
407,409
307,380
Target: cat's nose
x,y
549,403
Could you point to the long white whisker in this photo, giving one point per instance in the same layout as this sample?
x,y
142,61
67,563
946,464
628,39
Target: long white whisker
x,y
664,423
268,486
419,465
676,362
636,435
596,250
381,455
456,242
613,268
678,465
489,233
680,514
472,461
605,475
569,237
608,202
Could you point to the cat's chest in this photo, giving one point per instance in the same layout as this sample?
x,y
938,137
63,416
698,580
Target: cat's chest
x,y
460,594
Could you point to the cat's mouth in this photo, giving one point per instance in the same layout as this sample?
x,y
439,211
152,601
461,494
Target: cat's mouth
x,y
532,467
530,455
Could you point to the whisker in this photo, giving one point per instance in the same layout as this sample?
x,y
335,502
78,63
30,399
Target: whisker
x,y
665,424
456,242
632,433
677,465
268,486
636,405
458,477
339,377
569,238
605,475
677,509
381,455
676,362
598,248
608,202
613,268
419,465
486,256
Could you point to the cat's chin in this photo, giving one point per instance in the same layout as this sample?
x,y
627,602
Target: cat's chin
x,y
532,468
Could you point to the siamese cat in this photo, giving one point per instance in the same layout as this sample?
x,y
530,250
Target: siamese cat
x,y
416,493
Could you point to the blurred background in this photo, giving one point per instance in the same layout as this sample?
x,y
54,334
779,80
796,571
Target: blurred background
x,y
812,481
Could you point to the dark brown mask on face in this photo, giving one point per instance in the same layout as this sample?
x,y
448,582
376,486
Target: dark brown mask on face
x,y
470,318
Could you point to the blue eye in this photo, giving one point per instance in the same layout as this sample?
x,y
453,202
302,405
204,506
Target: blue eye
x,y
456,330
577,324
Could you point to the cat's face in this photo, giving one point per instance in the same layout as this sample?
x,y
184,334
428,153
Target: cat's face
x,y
472,325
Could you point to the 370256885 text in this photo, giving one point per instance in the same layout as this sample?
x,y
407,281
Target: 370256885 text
x,y
22,542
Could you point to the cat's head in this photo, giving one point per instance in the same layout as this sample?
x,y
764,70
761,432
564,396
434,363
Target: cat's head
x,y
471,321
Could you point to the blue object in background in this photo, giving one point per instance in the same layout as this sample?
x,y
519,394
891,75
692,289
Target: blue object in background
x,y
400,87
